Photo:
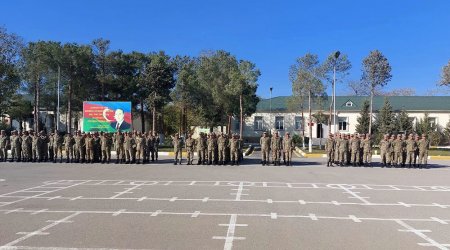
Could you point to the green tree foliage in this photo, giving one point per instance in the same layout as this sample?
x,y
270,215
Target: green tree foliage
x,y
306,77
447,132
385,119
20,109
424,126
10,47
402,123
363,119
376,72
102,64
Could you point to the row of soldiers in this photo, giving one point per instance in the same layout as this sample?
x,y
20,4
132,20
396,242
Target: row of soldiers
x,y
30,146
280,148
395,150
212,149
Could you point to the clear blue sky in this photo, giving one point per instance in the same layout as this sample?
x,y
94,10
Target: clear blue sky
x,y
413,34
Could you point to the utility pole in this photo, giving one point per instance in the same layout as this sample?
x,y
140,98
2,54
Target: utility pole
x,y
57,107
336,56
270,113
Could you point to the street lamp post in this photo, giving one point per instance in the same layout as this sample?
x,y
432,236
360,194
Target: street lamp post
x,y
270,112
336,56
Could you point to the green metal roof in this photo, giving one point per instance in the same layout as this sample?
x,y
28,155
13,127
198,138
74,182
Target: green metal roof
x,y
409,103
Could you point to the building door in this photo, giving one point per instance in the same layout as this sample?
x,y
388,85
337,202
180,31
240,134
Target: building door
x,y
319,131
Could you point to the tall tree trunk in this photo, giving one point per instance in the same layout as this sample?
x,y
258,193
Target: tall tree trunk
x,y
37,97
241,124
180,130
229,125
154,118
371,107
303,128
310,123
69,107
142,116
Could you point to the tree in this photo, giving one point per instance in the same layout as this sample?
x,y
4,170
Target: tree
x,y
445,75
336,67
320,118
77,65
447,132
402,123
376,72
363,119
159,79
20,109
385,118
100,49
424,126
358,88
10,48
306,77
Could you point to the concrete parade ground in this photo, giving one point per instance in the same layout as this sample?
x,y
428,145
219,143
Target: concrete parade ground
x,y
46,206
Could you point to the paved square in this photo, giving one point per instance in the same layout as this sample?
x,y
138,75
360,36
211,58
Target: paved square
x,y
161,206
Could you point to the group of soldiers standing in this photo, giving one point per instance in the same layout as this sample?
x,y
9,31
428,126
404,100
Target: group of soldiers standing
x,y
212,149
30,146
395,150
280,147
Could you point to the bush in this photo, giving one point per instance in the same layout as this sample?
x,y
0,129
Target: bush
x,y
436,137
297,139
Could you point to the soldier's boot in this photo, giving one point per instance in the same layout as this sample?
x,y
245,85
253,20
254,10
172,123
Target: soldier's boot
x,y
61,160
54,160
237,162
199,162
328,163
176,162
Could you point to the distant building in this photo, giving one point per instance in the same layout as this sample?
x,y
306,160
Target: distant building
x,y
283,120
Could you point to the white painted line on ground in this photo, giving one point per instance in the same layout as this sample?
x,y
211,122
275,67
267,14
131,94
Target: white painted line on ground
x,y
168,183
59,248
439,220
352,193
76,198
230,234
354,218
53,198
239,191
12,243
142,198
313,217
13,211
205,199
302,202
439,205
59,221
335,203
421,235
404,204
195,214
2,179
126,191
40,211
119,212
431,245
273,216
237,225
173,199
415,230
192,183
269,201
156,213
35,233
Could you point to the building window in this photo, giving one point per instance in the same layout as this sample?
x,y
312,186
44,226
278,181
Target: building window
x,y
258,123
343,123
349,104
433,122
279,123
298,123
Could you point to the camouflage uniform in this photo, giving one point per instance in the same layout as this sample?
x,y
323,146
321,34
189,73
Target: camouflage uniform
x,y
69,141
385,146
355,147
367,151
57,146
201,149
329,148
410,149
89,144
222,143
277,147
234,144
424,145
190,147
265,148
140,148
288,147
4,141
119,147
177,148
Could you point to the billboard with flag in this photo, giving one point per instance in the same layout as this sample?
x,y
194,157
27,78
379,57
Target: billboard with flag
x,y
106,116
